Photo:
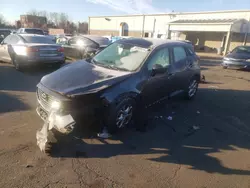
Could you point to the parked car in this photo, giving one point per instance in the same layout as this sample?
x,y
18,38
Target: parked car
x,y
77,47
4,33
110,85
27,50
35,31
239,57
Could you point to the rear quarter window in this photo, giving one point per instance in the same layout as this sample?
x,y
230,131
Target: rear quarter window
x,y
190,50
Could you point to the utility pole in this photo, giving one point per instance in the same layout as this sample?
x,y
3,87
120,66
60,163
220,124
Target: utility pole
x,y
246,33
143,23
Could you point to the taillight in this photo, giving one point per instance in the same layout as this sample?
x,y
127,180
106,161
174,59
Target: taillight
x,y
32,49
61,49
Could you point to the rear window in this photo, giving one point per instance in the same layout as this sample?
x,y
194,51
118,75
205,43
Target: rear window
x,y
38,39
34,31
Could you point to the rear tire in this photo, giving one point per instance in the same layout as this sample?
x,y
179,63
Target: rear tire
x,y
192,88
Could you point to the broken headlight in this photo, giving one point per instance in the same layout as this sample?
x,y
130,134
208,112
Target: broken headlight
x,y
55,105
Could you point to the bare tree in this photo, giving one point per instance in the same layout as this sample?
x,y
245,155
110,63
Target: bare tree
x,y
33,12
63,20
56,20
2,21
83,27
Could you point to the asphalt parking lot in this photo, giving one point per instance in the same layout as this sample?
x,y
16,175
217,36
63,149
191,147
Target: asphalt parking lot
x,y
205,145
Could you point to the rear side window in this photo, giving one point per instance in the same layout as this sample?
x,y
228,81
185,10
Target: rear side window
x,y
190,51
179,53
34,31
80,41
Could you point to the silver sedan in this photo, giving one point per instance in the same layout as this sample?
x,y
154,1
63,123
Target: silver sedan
x,y
25,50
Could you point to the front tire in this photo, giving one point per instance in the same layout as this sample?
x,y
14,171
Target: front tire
x,y
192,88
120,115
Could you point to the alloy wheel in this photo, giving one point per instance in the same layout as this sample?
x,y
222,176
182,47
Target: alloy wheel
x,y
124,116
192,88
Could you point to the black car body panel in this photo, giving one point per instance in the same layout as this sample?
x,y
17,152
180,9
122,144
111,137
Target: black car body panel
x,y
90,44
89,87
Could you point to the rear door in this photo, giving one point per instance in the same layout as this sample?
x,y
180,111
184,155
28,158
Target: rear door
x,y
4,54
181,66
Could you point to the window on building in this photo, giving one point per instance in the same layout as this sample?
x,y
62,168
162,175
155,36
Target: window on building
x,y
179,53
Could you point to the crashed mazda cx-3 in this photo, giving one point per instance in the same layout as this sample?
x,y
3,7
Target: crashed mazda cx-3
x,y
111,84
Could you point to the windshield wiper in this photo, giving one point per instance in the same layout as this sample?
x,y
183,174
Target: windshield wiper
x,y
119,68
108,66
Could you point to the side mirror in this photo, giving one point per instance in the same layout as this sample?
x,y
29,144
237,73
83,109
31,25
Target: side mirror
x,y
158,69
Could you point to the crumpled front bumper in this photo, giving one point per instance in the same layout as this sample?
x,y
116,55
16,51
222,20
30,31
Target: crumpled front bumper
x,y
62,123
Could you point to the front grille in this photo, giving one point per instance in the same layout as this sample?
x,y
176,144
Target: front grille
x,y
45,99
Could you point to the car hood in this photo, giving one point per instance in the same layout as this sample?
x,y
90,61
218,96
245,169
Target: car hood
x,y
82,77
238,56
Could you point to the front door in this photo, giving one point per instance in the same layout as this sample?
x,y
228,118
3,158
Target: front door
x,y
157,87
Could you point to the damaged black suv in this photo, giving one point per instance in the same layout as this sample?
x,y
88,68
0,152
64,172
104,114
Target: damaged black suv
x,y
111,84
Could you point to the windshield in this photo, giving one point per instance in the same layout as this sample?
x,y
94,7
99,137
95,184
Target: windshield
x,y
39,39
242,49
127,57
34,31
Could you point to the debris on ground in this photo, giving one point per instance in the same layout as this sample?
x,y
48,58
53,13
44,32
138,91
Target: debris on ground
x,y
164,119
196,127
104,134
170,118
42,136
213,87
203,79
28,166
